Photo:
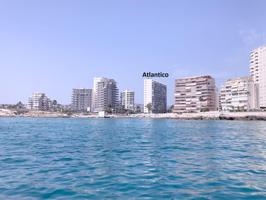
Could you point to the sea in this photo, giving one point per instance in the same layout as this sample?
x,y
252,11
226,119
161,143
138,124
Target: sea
x,y
53,158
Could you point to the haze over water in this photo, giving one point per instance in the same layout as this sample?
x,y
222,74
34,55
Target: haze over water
x,y
131,159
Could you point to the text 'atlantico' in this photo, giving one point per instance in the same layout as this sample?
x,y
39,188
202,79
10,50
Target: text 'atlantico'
x,y
158,74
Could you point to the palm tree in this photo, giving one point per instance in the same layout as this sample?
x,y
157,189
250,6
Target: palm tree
x,y
149,107
109,108
171,109
138,110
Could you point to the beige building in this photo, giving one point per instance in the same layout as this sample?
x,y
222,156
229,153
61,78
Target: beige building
x,y
237,94
195,94
258,74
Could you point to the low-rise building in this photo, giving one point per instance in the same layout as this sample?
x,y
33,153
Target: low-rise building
x,y
39,102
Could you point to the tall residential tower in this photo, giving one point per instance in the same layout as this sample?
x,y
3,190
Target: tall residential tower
x,y
81,100
154,96
105,95
258,74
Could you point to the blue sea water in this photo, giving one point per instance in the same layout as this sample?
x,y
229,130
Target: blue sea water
x,y
132,159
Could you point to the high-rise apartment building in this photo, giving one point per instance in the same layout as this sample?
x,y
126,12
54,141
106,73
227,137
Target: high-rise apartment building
x,y
128,100
155,96
195,94
39,102
237,94
105,95
258,74
81,100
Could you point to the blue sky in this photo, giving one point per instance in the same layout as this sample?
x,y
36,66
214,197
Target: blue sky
x,y
53,46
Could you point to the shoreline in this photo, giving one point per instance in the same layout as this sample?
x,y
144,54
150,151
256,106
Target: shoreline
x,y
215,115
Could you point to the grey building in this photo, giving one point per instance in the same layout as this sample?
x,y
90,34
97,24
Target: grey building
x,y
155,96
81,100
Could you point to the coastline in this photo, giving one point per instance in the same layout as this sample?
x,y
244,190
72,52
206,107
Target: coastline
x,y
261,116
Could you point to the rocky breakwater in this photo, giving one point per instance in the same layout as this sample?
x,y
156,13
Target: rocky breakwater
x,y
243,116
14,113
7,113
205,116
44,114
185,116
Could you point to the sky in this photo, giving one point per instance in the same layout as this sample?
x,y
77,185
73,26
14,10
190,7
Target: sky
x,y
53,46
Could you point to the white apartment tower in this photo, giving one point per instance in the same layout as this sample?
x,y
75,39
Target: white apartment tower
x,y
39,102
258,74
237,94
81,100
105,94
128,100
155,96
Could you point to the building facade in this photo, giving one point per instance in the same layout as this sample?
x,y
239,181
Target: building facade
x,y
81,100
195,94
39,102
258,74
237,94
128,100
155,97
105,95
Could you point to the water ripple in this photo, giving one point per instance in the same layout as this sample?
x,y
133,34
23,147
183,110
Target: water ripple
x,y
131,159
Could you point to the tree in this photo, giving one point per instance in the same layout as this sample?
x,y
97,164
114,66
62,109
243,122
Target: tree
x,y
109,109
171,109
161,108
19,105
54,102
138,109
149,107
